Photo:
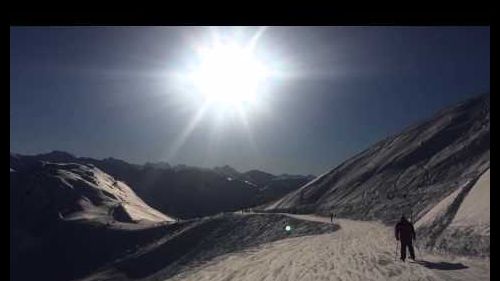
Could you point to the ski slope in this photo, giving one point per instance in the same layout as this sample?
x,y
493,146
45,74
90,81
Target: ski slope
x,y
358,251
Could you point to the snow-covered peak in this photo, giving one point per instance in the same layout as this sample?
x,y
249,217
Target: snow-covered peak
x,y
72,191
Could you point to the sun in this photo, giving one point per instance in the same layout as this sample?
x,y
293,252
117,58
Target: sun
x,y
227,80
229,74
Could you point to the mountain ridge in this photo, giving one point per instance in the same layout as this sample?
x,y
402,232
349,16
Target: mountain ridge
x,y
185,191
407,173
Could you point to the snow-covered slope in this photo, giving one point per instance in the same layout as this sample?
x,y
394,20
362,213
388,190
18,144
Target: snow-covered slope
x,y
255,247
201,241
474,212
67,219
358,251
407,173
460,223
75,191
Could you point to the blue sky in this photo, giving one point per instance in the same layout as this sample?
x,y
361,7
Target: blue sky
x,y
102,92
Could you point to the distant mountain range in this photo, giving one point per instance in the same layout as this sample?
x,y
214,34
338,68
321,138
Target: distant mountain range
x,y
426,172
183,191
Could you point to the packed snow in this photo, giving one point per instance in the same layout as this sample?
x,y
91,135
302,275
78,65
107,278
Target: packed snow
x,y
438,211
254,247
474,212
358,251
460,223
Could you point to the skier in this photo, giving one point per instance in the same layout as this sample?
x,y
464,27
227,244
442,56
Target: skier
x,y
405,233
331,217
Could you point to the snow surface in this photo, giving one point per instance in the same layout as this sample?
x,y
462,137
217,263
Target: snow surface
x,y
358,251
460,223
73,191
438,211
474,212
254,247
195,242
115,191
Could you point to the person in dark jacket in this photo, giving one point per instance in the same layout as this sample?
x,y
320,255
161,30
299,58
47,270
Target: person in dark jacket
x,y
405,233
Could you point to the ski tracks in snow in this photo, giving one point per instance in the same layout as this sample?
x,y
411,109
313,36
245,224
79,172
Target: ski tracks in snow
x,y
358,251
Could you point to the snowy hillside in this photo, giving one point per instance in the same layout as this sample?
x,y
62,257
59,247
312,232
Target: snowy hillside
x,y
460,223
407,173
187,192
75,191
255,247
475,209
200,242
68,218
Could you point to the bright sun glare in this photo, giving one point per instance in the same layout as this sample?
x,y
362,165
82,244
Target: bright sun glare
x,y
228,73
230,77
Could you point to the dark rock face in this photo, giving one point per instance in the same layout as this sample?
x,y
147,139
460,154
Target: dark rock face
x,y
406,173
120,214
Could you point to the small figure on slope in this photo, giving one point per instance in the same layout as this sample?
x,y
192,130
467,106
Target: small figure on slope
x,y
405,233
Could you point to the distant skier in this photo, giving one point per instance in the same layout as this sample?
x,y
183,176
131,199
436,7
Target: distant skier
x,y
405,233
331,217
